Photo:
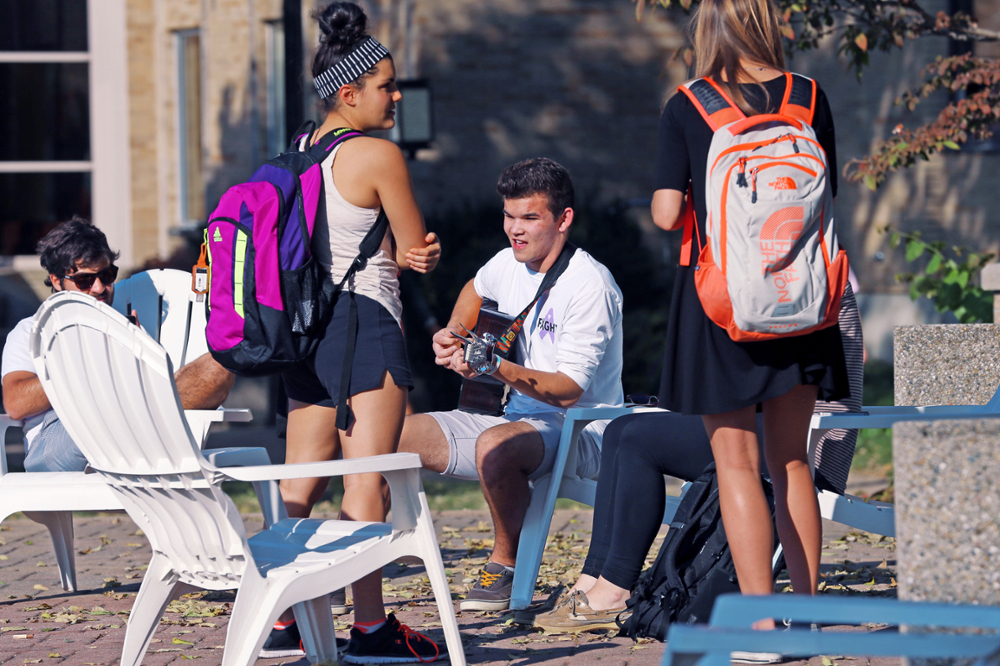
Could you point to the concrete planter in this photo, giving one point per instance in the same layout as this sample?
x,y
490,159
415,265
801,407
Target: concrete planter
x,y
947,472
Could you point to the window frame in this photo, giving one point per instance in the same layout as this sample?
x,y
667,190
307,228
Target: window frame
x,y
110,164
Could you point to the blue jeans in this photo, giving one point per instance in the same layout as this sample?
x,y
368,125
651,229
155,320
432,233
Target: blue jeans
x,y
53,450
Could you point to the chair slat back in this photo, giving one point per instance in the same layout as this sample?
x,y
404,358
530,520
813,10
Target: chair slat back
x,y
166,308
112,386
191,522
113,389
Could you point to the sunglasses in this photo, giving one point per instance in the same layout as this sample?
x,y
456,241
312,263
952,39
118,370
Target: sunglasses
x,y
84,281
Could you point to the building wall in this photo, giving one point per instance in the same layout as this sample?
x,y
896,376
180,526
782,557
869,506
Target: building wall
x,y
580,81
233,116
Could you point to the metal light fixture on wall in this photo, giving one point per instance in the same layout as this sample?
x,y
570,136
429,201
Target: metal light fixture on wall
x,y
414,116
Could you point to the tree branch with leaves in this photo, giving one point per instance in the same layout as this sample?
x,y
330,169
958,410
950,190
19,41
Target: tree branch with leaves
x,y
861,26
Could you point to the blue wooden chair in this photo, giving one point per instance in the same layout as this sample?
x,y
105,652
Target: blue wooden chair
x,y
729,629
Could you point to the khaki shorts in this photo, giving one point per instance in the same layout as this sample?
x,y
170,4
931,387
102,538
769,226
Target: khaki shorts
x,y
462,429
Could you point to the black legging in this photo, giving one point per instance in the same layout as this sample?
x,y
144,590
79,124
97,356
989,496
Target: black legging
x,y
637,451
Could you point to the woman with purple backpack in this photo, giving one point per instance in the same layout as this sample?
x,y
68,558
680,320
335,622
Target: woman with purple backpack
x,y
356,81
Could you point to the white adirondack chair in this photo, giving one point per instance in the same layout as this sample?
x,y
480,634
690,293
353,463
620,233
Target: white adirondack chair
x,y
113,387
165,304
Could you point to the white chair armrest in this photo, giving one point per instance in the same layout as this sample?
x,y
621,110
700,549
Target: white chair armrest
x,y
268,493
387,463
7,422
200,420
220,415
237,456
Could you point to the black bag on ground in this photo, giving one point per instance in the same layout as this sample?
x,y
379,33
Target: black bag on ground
x,y
693,567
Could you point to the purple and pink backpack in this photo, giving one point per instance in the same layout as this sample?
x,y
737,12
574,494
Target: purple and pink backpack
x,y
269,300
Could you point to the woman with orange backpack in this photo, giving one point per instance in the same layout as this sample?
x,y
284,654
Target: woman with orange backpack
x,y
741,66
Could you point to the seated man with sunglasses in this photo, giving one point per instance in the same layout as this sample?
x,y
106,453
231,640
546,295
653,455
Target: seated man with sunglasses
x,y
77,257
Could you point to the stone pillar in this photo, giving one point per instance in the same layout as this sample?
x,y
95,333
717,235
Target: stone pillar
x,y
947,473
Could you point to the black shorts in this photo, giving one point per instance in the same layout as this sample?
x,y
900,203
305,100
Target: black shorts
x,y
379,348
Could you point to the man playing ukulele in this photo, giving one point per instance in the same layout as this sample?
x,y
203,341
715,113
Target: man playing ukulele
x,y
568,353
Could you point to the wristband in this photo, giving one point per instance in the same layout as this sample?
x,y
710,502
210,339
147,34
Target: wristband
x,y
496,365
480,354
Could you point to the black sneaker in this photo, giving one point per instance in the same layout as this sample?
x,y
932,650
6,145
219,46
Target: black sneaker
x,y
283,643
492,591
393,643
288,643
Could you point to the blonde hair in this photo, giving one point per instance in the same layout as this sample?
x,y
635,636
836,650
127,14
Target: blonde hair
x,y
727,30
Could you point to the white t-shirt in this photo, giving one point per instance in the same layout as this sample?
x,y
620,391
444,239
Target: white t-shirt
x,y
575,328
16,357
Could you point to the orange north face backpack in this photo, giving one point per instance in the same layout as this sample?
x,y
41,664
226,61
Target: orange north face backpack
x,y
771,266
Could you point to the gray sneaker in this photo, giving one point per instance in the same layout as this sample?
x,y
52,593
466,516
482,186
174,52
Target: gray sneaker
x,y
492,591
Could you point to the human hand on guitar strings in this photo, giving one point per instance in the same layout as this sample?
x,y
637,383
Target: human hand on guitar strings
x,y
445,346
480,353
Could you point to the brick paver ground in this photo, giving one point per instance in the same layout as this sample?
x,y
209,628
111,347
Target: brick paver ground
x,y
42,624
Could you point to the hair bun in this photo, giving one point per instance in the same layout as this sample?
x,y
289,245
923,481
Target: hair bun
x,y
342,24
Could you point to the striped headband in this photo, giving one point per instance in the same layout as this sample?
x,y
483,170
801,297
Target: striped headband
x,y
350,68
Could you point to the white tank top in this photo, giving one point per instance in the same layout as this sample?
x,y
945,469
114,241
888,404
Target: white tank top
x,y
336,244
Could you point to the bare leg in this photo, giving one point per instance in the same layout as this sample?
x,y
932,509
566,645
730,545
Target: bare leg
x,y
313,436
505,456
423,435
375,431
203,383
584,583
745,513
786,430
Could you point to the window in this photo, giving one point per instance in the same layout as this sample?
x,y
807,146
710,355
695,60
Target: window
x,y
45,159
64,137
276,139
192,188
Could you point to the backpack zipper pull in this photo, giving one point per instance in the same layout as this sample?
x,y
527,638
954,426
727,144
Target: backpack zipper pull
x,y
795,145
741,179
753,181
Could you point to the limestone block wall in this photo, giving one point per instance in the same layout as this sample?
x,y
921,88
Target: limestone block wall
x,y
233,95
579,81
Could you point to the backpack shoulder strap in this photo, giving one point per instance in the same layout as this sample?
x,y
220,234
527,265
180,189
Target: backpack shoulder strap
x,y
690,229
712,102
306,128
330,140
800,98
